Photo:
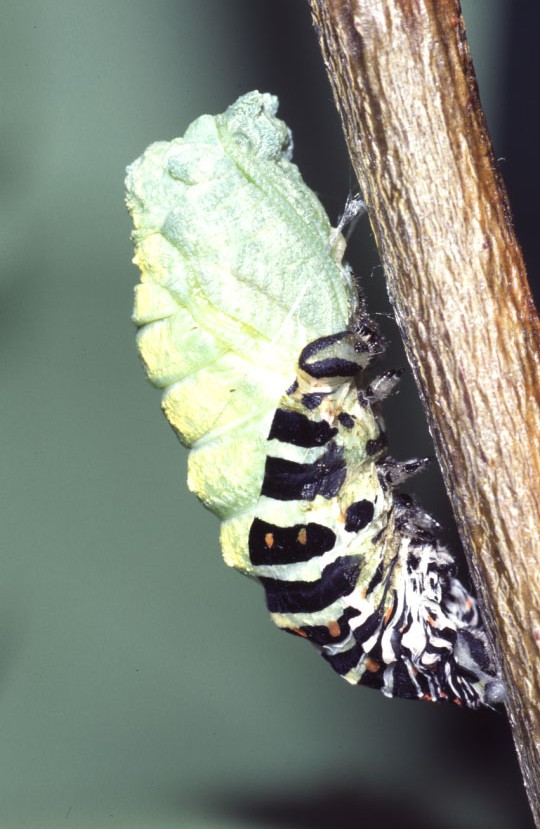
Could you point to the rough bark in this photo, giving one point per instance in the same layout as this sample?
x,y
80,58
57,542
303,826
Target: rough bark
x,y
405,87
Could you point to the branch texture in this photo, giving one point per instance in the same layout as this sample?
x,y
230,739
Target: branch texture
x,y
406,90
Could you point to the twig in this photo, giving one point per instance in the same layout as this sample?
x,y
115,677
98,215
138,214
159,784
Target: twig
x,y
406,90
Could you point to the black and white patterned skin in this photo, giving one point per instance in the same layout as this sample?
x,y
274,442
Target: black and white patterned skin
x,y
360,571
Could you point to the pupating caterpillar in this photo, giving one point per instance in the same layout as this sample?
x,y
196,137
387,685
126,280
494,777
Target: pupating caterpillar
x,y
250,322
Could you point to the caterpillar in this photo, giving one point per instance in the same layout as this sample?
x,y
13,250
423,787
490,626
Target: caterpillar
x,y
250,322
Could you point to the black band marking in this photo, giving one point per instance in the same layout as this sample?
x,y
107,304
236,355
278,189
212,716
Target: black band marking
x,y
327,366
403,686
375,579
337,580
346,420
290,481
366,630
359,515
315,346
323,635
332,367
296,428
269,544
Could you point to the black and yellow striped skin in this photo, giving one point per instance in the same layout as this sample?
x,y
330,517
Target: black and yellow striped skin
x,y
243,285
361,574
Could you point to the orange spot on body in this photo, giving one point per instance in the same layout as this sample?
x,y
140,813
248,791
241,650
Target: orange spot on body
x,y
427,698
269,540
371,665
431,621
299,632
334,628
302,536
388,614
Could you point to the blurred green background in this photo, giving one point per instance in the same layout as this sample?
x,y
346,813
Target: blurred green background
x,y
141,682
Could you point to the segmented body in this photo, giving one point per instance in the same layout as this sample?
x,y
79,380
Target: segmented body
x,y
242,289
362,575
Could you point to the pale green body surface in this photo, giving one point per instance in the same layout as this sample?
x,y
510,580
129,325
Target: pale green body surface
x,y
240,270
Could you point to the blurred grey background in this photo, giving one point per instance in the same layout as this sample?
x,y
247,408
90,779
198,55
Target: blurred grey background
x,y
141,682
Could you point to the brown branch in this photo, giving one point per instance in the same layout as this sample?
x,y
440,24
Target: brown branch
x,y
406,90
